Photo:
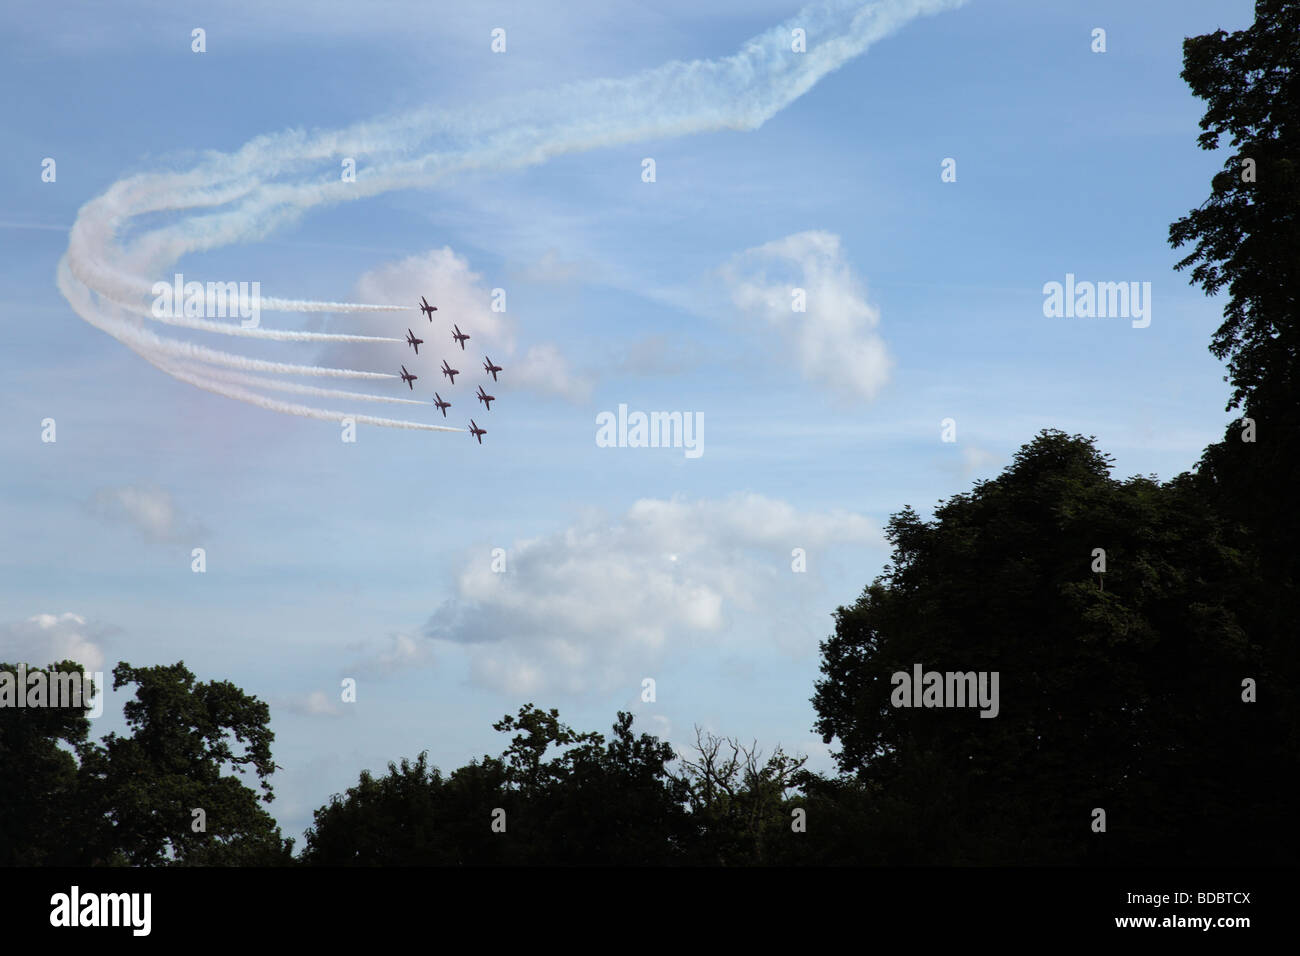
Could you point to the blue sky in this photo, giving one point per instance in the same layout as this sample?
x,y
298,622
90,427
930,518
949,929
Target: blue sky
x,y
373,559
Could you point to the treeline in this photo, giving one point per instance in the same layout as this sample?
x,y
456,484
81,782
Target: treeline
x,y
595,801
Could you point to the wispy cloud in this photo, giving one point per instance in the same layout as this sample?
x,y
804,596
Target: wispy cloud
x,y
802,290
380,658
148,509
655,355
550,267
315,704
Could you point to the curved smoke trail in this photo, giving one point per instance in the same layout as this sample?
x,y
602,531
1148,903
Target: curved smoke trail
x,y
276,178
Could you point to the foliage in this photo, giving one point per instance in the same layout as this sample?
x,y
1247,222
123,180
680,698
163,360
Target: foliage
x,y
1119,691
129,800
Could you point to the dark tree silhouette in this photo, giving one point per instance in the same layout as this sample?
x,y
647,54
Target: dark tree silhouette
x,y
1125,698
40,819
593,801
1247,233
1247,241
176,761
130,799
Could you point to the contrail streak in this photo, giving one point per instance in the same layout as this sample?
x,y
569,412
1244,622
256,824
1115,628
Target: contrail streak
x,y
306,411
276,178
276,385
256,332
146,343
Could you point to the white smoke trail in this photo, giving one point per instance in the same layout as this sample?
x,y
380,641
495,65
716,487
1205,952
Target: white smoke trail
x,y
125,289
272,304
243,196
276,385
146,343
306,411
256,332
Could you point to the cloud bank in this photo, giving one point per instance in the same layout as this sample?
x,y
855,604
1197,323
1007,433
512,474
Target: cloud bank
x,y
592,605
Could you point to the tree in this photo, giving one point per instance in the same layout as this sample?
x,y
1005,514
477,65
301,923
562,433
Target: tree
x,y
40,819
392,821
609,802
1247,233
67,801
589,801
1120,693
144,788
739,803
1247,239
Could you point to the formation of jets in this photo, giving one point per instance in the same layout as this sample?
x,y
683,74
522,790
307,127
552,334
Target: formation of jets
x,y
460,338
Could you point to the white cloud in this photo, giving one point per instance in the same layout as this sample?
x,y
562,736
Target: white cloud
x,y
543,369
834,341
549,267
150,510
394,653
449,283
315,704
975,460
967,461
596,603
47,638
660,726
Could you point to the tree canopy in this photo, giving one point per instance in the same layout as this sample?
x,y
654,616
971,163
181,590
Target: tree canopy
x,y
1119,689
131,800
1247,232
